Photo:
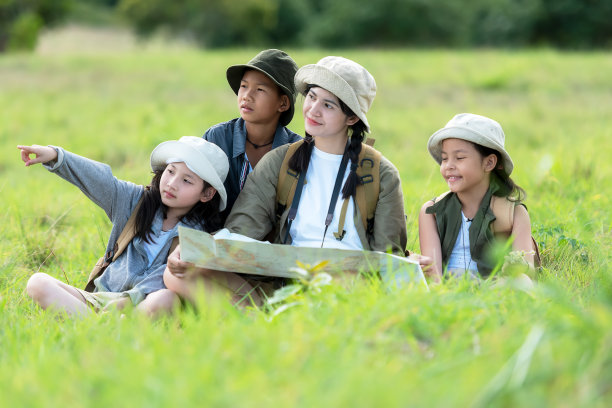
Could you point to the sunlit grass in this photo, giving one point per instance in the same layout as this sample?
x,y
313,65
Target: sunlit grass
x,y
460,344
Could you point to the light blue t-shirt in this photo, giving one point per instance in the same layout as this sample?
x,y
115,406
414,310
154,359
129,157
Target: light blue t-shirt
x,y
460,260
156,245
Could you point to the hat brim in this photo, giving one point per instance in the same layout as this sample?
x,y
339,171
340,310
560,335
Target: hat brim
x,y
434,145
314,74
234,75
198,163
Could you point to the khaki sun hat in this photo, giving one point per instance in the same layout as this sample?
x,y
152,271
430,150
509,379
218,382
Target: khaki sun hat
x,y
473,128
204,158
275,64
346,79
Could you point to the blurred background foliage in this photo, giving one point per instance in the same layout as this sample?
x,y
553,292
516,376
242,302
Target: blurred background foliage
x,y
21,20
572,24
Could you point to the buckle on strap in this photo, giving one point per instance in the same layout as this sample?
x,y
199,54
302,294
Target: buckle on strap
x,y
108,257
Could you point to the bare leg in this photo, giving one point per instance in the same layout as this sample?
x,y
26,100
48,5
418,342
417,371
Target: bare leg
x,y
209,282
51,293
163,301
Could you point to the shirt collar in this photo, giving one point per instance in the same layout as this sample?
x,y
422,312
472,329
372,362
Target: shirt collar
x,y
239,138
281,137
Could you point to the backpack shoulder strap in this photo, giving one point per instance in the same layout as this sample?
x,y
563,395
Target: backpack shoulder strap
x,y
503,209
127,234
368,171
440,197
287,180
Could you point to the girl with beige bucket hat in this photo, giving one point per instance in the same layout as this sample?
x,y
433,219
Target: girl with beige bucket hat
x,y
324,211
458,229
186,190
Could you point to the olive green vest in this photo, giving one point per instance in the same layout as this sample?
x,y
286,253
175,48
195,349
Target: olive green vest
x,y
447,212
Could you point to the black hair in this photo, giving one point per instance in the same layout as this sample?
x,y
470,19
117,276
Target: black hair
x,y
206,214
506,187
299,161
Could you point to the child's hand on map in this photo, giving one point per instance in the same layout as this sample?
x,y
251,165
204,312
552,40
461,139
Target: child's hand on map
x,y
176,266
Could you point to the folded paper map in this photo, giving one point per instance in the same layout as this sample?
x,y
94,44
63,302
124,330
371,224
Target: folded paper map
x,y
262,258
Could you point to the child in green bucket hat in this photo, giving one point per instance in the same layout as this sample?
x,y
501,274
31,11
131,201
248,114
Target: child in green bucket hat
x,y
266,96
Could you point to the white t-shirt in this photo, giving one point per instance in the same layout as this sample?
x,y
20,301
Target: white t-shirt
x,y
460,260
309,224
154,247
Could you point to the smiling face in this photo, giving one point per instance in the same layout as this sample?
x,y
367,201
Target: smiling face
x,y
464,168
181,189
323,115
259,98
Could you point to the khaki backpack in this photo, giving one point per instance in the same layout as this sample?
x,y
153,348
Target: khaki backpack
x,y
366,196
127,234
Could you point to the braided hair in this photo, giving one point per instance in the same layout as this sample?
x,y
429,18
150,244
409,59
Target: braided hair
x,y
301,158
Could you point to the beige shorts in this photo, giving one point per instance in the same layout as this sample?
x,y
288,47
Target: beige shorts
x,y
101,300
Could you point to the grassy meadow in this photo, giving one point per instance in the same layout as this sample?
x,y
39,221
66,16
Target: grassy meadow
x,y
460,344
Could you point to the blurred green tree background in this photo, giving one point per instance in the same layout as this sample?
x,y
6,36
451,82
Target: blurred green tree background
x,y
21,21
572,24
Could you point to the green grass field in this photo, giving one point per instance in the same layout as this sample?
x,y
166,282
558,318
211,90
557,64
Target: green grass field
x,y
460,344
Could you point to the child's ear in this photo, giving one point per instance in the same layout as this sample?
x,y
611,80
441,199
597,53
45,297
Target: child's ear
x,y
490,162
285,103
351,120
208,194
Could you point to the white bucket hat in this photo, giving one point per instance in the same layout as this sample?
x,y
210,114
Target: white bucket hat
x,y
473,128
204,158
346,79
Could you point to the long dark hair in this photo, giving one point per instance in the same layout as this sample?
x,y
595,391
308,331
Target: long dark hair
x,y
299,161
205,214
506,187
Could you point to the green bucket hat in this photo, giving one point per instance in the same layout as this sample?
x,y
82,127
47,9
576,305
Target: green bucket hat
x,y
278,66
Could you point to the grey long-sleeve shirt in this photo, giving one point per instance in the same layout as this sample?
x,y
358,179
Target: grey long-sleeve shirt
x,y
130,273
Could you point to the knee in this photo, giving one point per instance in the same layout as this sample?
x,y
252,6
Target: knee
x,y
162,301
38,285
165,299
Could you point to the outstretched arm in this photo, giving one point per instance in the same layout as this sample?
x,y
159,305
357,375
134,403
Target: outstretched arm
x,y
429,240
42,154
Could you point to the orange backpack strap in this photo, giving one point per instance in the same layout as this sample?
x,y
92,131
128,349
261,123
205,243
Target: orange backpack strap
x,y
128,233
503,209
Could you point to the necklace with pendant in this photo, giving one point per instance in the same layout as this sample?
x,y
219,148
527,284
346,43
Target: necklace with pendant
x,y
466,220
257,146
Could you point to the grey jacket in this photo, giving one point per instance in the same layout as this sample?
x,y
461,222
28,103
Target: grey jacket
x,y
254,213
130,273
231,138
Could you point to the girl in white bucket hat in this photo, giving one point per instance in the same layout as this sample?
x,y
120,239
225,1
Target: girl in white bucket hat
x,y
186,190
328,191
457,229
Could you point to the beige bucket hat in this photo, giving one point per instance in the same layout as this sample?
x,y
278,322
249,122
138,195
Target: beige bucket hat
x,y
204,158
346,79
473,128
